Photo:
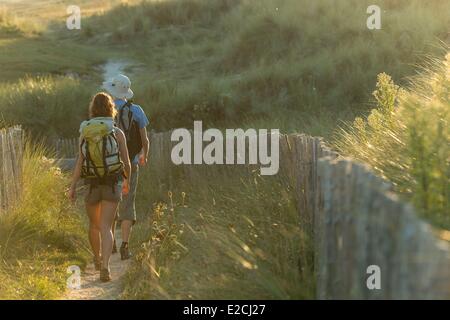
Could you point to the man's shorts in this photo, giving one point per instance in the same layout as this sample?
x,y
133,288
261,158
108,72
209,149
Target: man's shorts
x,y
127,208
112,193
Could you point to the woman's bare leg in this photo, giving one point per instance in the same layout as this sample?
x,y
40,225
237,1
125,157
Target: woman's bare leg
x,y
93,211
108,213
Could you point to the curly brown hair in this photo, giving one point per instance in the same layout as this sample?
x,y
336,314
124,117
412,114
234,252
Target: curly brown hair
x,y
102,105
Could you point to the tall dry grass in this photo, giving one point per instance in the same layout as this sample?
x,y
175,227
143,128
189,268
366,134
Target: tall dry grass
x,y
42,235
225,236
46,106
12,25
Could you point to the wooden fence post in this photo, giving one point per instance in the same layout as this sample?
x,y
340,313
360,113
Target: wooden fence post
x,y
11,148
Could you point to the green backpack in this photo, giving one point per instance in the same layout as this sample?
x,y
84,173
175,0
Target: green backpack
x,y
100,151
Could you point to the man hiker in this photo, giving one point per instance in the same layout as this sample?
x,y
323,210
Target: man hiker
x,y
132,120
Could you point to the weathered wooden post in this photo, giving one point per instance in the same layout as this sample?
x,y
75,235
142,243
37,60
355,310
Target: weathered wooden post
x,y
11,149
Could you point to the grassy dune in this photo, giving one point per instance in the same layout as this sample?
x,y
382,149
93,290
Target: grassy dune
x,y
246,61
238,62
41,236
30,46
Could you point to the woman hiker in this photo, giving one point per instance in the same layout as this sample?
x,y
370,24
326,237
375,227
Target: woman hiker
x,y
104,163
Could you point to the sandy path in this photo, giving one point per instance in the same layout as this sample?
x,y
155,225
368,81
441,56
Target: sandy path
x,y
114,67
91,286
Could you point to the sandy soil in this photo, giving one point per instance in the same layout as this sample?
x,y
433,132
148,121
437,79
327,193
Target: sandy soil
x,y
91,286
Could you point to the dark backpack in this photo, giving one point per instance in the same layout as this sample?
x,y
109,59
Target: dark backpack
x,y
125,120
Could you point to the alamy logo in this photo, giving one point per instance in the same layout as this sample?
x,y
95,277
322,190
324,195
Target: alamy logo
x,y
73,22
233,145
374,280
374,20
74,281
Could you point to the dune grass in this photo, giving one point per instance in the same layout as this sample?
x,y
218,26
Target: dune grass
x,y
41,236
27,47
11,25
47,106
228,236
406,138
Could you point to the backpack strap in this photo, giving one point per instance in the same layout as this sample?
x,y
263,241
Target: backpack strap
x,y
130,120
113,136
127,105
83,142
88,160
105,165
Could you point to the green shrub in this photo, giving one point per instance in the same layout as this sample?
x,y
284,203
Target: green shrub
x,y
406,139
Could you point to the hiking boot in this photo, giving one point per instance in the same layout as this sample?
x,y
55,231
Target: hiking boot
x,y
114,248
125,253
105,275
97,264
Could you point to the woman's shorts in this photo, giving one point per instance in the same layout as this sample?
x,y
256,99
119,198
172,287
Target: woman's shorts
x,y
112,193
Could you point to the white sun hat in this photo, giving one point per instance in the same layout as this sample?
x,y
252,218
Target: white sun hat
x,y
119,87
